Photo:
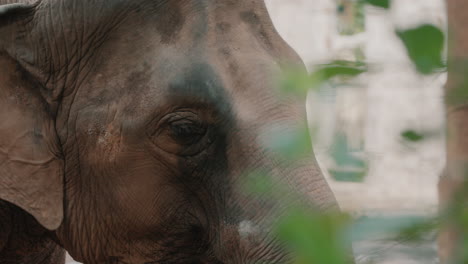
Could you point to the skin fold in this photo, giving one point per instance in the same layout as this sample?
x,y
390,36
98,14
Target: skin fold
x,y
128,128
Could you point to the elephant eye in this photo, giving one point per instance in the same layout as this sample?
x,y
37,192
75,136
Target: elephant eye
x,y
186,131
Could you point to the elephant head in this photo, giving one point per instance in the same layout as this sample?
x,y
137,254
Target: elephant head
x,y
127,127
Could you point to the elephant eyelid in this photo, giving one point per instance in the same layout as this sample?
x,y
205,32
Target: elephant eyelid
x,y
184,128
181,119
155,126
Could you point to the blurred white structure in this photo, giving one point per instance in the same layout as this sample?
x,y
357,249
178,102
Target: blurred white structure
x,y
388,100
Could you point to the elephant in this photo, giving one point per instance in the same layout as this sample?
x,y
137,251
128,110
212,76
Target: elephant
x,y
127,128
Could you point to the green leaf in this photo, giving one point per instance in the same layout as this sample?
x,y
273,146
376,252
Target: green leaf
x,y
337,68
314,237
424,45
259,183
292,143
412,136
298,82
379,3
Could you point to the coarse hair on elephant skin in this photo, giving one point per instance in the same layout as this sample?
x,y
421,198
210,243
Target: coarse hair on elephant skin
x,y
128,128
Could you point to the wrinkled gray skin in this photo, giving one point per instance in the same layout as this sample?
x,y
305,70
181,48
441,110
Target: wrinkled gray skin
x,y
127,127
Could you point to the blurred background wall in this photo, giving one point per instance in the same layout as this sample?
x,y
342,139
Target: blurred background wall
x,y
374,110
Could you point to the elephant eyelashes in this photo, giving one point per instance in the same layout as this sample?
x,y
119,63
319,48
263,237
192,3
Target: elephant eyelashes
x,y
182,133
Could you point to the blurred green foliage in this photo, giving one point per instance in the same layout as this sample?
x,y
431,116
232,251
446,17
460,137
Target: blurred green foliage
x,y
299,82
291,142
318,237
339,68
315,237
259,183
411,135
312,235
425,46
379,3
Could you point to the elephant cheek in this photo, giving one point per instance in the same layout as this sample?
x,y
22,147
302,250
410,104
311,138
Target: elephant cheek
x,y
146,201
108,144
249,242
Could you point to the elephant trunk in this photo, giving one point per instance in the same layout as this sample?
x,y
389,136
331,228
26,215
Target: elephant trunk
x,y
262,189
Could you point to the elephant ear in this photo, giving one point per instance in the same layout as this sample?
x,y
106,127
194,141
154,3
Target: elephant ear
x,y
31,167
